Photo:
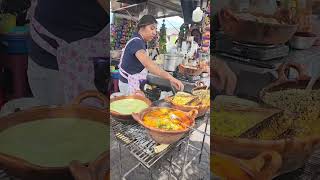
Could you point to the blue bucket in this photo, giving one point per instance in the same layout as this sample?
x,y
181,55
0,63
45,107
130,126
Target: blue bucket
x,y
16,44
115,74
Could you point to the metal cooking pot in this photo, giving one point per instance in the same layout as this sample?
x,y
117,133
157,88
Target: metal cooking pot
x,y
171,61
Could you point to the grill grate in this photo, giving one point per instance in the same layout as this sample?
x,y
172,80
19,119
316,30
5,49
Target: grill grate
x,y
137,141
140,145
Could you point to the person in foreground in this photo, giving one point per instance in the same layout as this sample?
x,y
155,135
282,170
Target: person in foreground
x,y
135,62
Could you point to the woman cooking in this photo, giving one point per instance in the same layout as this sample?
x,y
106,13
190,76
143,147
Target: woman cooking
x,y
135,62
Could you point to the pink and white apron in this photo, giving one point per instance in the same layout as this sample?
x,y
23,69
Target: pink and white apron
x,y
73,58
133,79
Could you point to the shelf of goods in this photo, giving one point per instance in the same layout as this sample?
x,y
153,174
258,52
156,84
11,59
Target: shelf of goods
x,y
205,45
121,32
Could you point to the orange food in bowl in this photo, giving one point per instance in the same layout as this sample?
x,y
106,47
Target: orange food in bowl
x,y
167,119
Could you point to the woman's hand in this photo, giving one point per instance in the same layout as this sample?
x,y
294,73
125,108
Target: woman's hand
x,y
176,83
139,93
222,77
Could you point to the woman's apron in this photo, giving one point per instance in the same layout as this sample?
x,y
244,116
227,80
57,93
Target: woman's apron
x,y
73,58
133,79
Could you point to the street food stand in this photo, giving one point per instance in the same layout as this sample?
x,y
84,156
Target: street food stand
x,y
153,147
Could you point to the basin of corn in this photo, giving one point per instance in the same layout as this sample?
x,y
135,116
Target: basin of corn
x,y
301,117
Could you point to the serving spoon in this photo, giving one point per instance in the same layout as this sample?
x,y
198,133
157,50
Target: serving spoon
x,y
174,117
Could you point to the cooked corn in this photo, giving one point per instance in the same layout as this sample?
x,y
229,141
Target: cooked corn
x,y
304,103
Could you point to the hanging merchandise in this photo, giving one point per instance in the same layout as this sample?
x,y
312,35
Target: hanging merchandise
x,y
113,36
184,29
197,15
163,39
205,46
122,31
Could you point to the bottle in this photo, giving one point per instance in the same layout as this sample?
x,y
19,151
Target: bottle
x,y
197,15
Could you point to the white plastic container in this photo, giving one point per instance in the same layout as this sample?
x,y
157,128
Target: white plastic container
x,y
197,15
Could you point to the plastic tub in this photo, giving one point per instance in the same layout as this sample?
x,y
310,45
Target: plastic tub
x,y
115,74
16,44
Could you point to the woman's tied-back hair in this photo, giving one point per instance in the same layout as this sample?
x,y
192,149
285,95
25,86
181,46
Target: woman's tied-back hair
x,y
145,21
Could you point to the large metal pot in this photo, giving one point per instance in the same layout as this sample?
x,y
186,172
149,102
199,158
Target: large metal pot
x,y
25,170
171,61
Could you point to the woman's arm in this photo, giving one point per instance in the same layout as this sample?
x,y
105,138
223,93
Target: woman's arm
x,y
155,69
222,77
104,4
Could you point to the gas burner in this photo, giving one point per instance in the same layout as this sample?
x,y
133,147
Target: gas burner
x,y
255,45
252,51
252,62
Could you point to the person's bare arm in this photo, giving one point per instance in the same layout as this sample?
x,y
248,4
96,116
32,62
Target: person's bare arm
x,y
222,77
104,4
151,66
154,69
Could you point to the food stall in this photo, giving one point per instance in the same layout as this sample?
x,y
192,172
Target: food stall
x,y
162,127
274,60
187,60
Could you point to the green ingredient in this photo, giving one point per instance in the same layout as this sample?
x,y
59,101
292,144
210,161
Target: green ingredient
x,y
128,106
55,142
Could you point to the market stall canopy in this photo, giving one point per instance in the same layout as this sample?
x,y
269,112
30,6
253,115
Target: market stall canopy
x,y
158,8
